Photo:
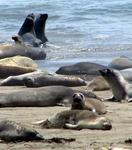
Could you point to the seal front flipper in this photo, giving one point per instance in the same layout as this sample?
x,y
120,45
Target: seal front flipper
x,y
112,99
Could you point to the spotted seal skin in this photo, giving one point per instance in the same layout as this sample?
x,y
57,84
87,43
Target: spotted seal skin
x,y
46,80
81,102
121,89
81,68
77,120
39,27
11,131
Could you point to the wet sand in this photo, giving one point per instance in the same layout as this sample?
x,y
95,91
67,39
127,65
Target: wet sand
x,y
119,114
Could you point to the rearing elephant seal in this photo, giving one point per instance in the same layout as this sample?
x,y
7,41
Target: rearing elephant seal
x,y
121,89
27,26
14,132
27,32
77,119
81,102
40,27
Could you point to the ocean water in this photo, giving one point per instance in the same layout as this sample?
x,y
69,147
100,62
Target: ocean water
x,y
79,30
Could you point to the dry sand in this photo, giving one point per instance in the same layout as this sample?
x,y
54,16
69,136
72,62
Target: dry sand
x,y
119,114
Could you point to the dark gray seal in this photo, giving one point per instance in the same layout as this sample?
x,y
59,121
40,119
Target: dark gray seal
x,y
15,132
22,50
27,32
81,68
28,25
77,119
121,89
40,97
39,27
79,101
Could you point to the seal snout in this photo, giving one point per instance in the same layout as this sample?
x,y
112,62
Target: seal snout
x,y
107,126
77,97
28,82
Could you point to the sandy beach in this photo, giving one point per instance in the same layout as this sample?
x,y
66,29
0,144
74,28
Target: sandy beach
x,y
118,113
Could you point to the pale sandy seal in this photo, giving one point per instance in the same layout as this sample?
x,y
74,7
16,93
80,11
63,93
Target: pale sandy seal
x,y
121,89
16,65
11,131
79,101
98,84
120,63
77,119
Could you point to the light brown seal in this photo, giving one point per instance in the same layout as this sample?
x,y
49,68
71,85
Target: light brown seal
x,y
77,119
79,101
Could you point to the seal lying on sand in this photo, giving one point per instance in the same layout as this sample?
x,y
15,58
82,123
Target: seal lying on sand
x,y
121,89
21,49
41,78
14,132
81,68
120,63
80,102
45,80
16,65
76,119
98,84
39,97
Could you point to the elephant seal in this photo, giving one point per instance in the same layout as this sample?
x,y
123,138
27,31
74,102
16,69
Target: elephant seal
x,y
98,84
27,32
81,68
28,25
6,71
40,97
22,50
76,119
127,74
79,101
18,80
39,27
15,132
49,79
120,63
19,61
16,65
121,89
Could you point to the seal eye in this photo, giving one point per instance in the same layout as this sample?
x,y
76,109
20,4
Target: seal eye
x,y
74,95
82,96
